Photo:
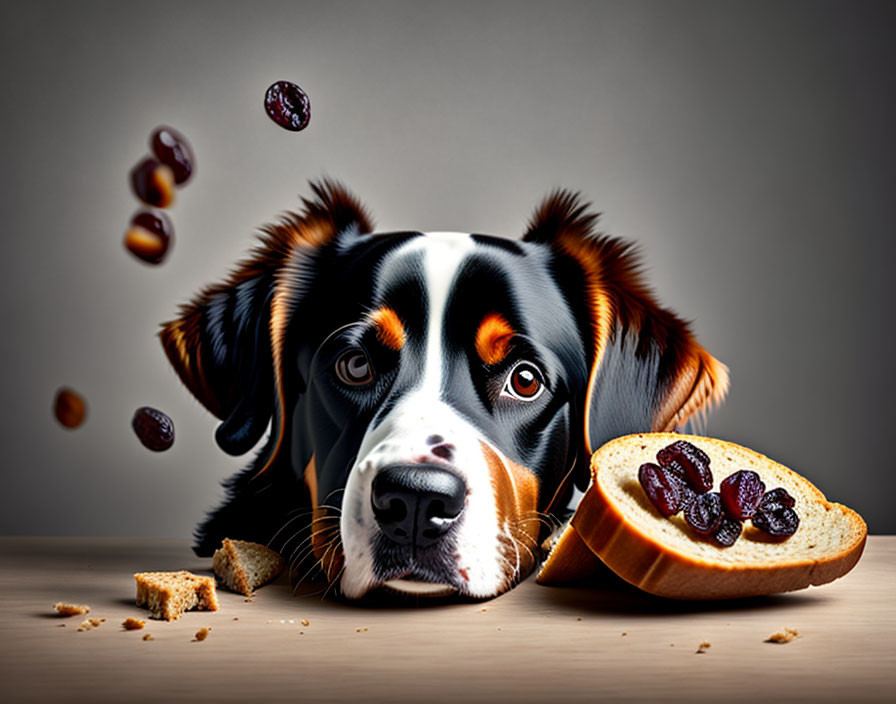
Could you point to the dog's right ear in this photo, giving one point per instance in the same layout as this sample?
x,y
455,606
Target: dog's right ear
x,y
226,344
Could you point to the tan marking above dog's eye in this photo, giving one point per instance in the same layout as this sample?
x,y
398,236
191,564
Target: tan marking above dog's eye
x,y
353,368
524,382
389,330
493,338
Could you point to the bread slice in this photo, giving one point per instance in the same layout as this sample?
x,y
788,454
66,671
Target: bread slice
x,y
242,566
168,594
616,522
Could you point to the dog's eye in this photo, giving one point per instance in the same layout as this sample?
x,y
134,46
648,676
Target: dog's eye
x,y
353,369
524,382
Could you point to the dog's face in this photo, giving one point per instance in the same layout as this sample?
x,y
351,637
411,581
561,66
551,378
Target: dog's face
x,y
433,396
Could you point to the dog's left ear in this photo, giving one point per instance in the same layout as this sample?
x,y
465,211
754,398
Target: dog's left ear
x,y
227,343
646,370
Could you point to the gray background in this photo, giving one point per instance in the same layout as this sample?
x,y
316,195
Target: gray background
x,y
748,147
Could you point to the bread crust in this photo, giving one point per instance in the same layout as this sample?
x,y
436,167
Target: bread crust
x,y
666,571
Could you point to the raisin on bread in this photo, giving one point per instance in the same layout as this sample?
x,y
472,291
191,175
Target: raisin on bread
x,y
242,566
168,594
617,523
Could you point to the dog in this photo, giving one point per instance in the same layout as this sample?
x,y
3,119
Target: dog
x,y
433,399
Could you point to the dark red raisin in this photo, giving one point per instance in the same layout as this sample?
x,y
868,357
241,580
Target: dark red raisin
x,y
153,182
704,515
662,491
691,461
173,150
741,493
780,523
288,106
153,428
69,407
687,494
149,236
775,499
728,532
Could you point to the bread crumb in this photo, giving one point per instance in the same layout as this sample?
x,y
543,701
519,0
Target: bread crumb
x,y
703,647
168,594
90,624
305,622
482,611
70,609
579,618
148,636
243,566
61,625
360,630
236,618
624,633
133,624
201,634
783,637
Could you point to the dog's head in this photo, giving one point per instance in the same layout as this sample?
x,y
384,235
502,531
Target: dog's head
x,y
431,397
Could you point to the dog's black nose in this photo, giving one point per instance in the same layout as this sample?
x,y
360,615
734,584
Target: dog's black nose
x,y
416,503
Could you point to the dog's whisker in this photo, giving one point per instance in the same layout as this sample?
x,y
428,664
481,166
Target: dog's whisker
x,y
332,493
319,561
304,550
315,565
292,537
315,531
337,509
334,583
282,528
301,553
335,542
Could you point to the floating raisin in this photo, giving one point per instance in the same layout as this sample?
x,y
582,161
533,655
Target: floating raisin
x,y
69,407
741,493
728,532
704,515
153,428
776,499
662,491
173,150
149,236
153,182
288,106
780,523
691,461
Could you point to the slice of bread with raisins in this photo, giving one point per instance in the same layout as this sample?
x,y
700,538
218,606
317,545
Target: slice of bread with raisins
x,y
616,522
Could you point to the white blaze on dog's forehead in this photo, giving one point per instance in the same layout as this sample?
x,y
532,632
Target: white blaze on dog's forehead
x,y
443,253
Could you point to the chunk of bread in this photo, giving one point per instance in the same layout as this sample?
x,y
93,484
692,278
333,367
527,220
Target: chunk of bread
x,y
243,566
168,594
616,522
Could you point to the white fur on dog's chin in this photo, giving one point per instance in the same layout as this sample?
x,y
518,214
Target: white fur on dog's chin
x,y
401,436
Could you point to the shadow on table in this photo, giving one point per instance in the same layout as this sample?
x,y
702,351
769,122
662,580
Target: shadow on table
x,y
603,592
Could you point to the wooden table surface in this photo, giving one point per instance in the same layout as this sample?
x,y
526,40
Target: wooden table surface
x,y
606,641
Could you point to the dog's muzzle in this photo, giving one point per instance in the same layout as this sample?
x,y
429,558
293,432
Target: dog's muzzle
x,y
416,505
